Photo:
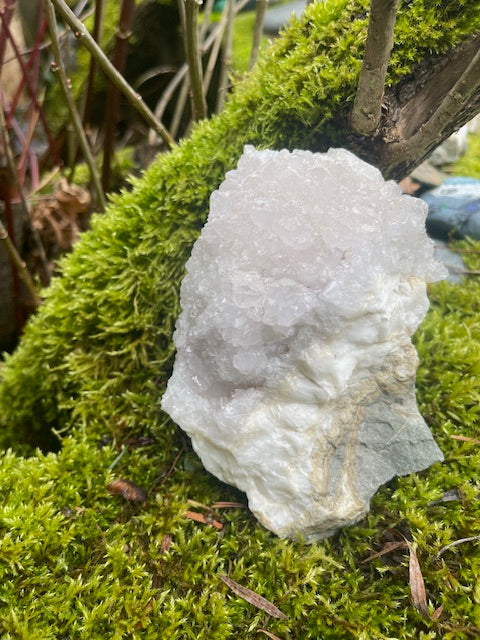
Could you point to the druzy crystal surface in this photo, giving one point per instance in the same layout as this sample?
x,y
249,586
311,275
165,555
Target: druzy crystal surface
x,y
295,371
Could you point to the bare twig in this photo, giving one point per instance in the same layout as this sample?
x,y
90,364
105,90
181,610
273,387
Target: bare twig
x,y
6,15
214,36
104,63
97,36
19,264
25,68
207,12
170,90
226,58
172,466
7,149
124,31
257,31
180,106
192,53
212,60
367,107
455,543
72,107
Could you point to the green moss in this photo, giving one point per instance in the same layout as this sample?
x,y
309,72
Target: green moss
x,y
122,166
77,562
469,164
100,348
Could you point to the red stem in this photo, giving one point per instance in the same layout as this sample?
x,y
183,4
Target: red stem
x,y
31,88
6,14
34,57
97,34
20,317
113,99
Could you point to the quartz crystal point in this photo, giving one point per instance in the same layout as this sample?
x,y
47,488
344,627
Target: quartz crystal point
x,y
295,372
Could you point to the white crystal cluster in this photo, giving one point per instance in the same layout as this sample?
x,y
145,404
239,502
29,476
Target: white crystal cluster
x,y
295,372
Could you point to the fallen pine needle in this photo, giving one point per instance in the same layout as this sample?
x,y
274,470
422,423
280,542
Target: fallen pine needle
x,y
229,505
387,548
253,598
218,505
438,612
199,517
465,439
268,633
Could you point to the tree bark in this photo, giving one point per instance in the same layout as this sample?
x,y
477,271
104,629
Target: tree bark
x,y
422,111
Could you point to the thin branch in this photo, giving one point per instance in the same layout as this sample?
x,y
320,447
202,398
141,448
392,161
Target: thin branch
x,y
19,264
57,67
170,90
214,53
192,52
227,57
124,31
455,543
7,149
366,112
104,63
180,106
97,36
210,40
207,12
453,102
257,31
7,15
32,90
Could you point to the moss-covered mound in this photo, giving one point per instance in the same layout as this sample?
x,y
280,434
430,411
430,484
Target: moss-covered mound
x,y
100,350
79,562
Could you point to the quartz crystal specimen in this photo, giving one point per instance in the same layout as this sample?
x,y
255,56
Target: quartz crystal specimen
x,y
295,372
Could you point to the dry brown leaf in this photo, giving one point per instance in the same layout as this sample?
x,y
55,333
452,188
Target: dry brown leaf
x,y
438,612
387,548
253,598
166,542
452,495
268,633
127,489
204,519
417,584
71,198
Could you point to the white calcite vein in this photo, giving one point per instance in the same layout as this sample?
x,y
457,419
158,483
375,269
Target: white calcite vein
x,y
295,372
